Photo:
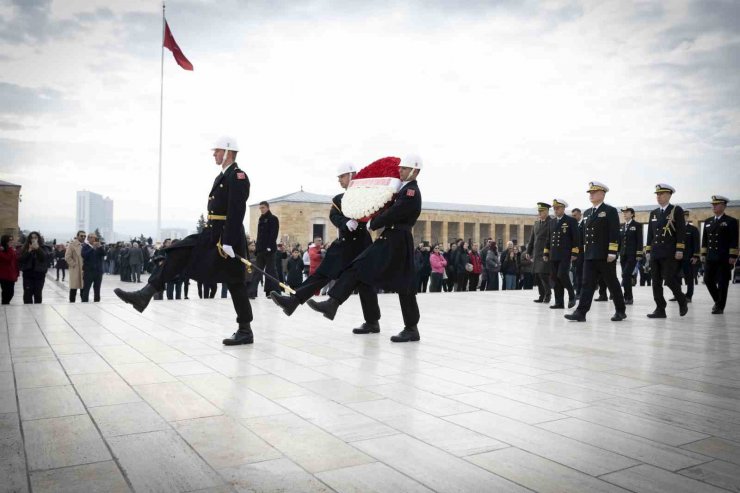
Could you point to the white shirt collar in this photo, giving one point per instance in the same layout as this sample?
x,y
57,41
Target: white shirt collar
x,y
628,222
597,205
717,218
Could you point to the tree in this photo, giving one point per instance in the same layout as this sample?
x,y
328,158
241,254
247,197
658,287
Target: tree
x,y
201,224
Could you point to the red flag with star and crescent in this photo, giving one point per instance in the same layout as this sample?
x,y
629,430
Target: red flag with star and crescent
x,y
171,44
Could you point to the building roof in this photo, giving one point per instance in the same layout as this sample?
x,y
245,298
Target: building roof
x,y
315,198
8,184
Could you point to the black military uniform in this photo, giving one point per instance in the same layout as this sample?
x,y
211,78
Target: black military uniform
x,y
198,256
630,251
578,264
340,254
692,245
268,226
599,278
666,236
719,245
601,234
562,244
388,263
536,249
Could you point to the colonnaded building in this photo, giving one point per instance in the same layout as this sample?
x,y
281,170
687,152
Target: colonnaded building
x,y
9,201
304,216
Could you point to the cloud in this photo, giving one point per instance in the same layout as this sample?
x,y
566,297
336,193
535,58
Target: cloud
x,y
31,23
21,100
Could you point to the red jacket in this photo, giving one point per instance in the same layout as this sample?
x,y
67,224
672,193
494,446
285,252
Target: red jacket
x,y
314,255
8,265
474,258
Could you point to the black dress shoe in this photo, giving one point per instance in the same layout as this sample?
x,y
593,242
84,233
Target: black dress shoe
x,y
658,313
242,336
408,334
576,316
557,306
683,309
138,299
619,316
571,303
602,298
717,311
538,300
628,301
367,328
287,303
327,308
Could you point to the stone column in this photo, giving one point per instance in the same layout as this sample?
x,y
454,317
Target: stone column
x,y
445,233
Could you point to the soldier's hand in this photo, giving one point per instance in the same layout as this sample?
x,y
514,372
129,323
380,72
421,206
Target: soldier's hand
x,y
352,225
679,255
611,257
228,250
647,257
545,258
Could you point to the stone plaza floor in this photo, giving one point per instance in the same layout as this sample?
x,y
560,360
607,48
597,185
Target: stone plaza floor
x,y
500,395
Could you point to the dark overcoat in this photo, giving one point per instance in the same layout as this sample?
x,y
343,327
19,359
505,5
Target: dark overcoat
x,y
347,246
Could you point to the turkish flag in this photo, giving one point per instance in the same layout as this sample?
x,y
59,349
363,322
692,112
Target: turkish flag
x,y
171,44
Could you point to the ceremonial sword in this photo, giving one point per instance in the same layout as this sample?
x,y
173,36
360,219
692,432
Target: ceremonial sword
x,y
251,266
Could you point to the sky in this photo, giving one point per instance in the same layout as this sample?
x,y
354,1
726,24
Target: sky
x,y
508,102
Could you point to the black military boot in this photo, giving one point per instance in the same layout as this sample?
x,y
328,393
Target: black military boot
x,y
716,310
618,316
539,300
576,316
139,299
288,303
683,309
367,328
557,306
327,308
242,336
658,313
408,334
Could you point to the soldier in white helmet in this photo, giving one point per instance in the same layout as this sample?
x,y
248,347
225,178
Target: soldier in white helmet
x,y
209,256
353,239
388,263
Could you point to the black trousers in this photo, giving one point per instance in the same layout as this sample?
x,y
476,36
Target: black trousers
x,y
368,296
664,270
33,285
473,281
63,271
266,262
491,280
8,290
592,269
435,285
628,267
686,272
461,281
423,281
543,285
560,277
350,280
717,277
91,281
578,277
206,290
175,263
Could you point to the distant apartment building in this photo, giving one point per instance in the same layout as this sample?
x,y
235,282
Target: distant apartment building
x,y
95,212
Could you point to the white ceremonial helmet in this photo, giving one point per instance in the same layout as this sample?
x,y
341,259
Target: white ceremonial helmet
x,y
411,161
226,143
346,167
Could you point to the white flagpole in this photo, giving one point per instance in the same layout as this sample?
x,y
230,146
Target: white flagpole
x,y
161,107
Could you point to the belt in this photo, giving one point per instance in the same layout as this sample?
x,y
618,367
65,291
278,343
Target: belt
x,y
402,227
212,217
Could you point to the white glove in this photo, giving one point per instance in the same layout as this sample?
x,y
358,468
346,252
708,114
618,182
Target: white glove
x,y
228,250
269,249
611,257
352,225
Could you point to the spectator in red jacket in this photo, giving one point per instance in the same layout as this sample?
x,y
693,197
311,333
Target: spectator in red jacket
x,y
315,255
474,274
8,268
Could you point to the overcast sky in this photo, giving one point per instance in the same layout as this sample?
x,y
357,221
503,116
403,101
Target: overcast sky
x,y
508,102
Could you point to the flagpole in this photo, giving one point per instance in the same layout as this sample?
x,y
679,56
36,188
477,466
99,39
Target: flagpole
x,y
161,108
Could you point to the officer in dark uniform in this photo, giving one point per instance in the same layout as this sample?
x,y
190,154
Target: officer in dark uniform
x,y
599,278
536,250
561,249
268,226
208,256
353,240
690,257
665,249
388,263
719,250
578,264
601,234
630,250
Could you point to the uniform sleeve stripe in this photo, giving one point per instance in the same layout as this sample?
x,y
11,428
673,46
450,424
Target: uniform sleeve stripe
x,y
613,247
704,250
575,250
733,251
648,248
680,245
